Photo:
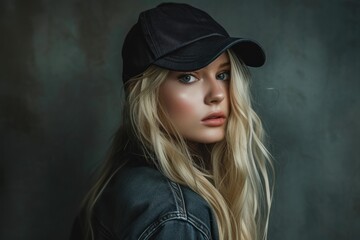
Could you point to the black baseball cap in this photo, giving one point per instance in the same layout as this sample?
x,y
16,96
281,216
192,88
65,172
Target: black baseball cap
x,y
180,37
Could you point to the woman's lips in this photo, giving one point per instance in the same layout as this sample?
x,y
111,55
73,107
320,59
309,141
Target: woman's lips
x,y
214,120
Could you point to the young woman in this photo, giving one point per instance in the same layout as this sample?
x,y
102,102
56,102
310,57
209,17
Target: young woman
x,y
189,160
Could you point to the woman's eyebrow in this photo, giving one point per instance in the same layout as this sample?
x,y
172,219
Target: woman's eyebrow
x,y
225,64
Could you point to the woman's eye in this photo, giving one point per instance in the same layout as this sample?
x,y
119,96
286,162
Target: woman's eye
x,y
223,76
187,78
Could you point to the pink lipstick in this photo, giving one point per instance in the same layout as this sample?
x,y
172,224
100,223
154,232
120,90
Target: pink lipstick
x,y
214,120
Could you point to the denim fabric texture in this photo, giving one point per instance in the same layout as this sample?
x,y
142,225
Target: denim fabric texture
x,y
141,203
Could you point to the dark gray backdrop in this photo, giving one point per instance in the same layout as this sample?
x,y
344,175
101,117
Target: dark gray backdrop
x,y
60,100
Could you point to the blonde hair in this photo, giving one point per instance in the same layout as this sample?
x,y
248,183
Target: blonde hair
x,y
238,187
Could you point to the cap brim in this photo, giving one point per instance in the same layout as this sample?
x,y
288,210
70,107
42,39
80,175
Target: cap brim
x,y
201,53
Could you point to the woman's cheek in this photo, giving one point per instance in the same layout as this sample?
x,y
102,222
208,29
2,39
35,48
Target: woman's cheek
x,y
182,104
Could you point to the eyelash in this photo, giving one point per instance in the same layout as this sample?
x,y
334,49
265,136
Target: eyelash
x,y
182,77
225,72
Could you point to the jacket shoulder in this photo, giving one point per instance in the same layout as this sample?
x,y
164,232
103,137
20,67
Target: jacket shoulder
x,y
140,202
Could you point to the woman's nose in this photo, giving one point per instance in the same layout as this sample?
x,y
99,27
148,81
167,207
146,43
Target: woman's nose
x,y
215,91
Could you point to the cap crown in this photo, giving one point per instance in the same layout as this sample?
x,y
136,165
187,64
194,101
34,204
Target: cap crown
x,y
171,26
162,30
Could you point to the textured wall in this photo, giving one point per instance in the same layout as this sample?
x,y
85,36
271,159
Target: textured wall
x,y
60,101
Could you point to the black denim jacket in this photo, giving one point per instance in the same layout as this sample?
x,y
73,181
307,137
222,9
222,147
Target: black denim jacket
x,y
140,203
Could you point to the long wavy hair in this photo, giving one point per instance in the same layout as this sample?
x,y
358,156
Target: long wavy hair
x,y
238,183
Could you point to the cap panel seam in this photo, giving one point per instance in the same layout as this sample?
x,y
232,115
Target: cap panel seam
x,y
188,43
148,36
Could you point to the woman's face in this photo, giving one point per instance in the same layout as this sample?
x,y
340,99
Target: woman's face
x,y
197,102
